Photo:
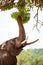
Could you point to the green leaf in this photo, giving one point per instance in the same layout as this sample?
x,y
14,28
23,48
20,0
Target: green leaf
x,y
24,13
14,15
25,16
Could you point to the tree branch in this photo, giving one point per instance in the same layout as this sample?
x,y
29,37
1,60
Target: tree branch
x,y
36,16
3,3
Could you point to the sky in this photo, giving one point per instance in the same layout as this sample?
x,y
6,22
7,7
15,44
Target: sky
x,y
9,28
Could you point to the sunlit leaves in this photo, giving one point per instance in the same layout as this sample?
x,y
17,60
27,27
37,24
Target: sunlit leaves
x,y
22,10
14,15
24,13
38,60
21,4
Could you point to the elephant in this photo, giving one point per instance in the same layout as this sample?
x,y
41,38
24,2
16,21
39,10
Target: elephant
x,y
12,48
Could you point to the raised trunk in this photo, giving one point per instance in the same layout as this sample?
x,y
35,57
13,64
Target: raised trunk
x,y
21,28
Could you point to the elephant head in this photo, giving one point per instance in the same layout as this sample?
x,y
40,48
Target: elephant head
x,y
15,46
21,40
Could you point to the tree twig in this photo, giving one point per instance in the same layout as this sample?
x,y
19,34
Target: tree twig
x,y
36,16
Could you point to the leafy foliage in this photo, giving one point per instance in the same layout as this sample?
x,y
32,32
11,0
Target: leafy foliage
x,y
24,13
38,60
22,10
21,4
24,7
7,7
31,57
24,57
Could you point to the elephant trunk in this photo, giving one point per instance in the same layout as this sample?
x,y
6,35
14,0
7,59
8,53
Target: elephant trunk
x,y
21,28
21,41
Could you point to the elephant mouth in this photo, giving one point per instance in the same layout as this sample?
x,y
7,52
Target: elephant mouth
x,y
23,42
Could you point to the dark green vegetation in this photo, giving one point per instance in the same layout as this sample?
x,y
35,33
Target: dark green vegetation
x,y
31,57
